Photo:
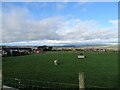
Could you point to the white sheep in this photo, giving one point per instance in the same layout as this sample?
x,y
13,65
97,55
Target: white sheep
x,y
56,62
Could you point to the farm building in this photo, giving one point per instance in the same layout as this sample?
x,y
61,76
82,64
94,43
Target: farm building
x,y
44,48
40,49
15,51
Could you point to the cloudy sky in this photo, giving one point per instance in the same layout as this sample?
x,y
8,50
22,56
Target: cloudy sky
x,y
59,23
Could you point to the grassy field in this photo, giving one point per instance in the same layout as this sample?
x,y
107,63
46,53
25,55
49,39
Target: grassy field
x,y
100,68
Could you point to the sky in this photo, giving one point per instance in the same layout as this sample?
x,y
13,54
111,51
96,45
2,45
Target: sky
x,y
59,23
60,0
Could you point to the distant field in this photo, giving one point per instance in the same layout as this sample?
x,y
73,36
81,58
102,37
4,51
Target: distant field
x,y
100,68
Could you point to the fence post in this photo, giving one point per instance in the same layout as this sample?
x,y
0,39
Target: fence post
x,y
81,81
0,79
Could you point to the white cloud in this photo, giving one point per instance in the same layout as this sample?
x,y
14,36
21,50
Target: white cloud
x,y
114,22
17,27
62,42
61,6
20,29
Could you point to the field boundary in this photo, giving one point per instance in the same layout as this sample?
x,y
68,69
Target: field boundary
x,y
35,84
25,83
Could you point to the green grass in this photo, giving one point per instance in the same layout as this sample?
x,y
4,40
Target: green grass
x,y
100,68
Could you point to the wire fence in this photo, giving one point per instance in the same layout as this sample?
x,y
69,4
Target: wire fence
x,y
24,84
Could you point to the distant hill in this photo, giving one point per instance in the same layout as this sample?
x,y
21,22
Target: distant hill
x,y
103,46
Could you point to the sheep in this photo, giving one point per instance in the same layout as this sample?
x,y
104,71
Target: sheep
x,y
56,62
